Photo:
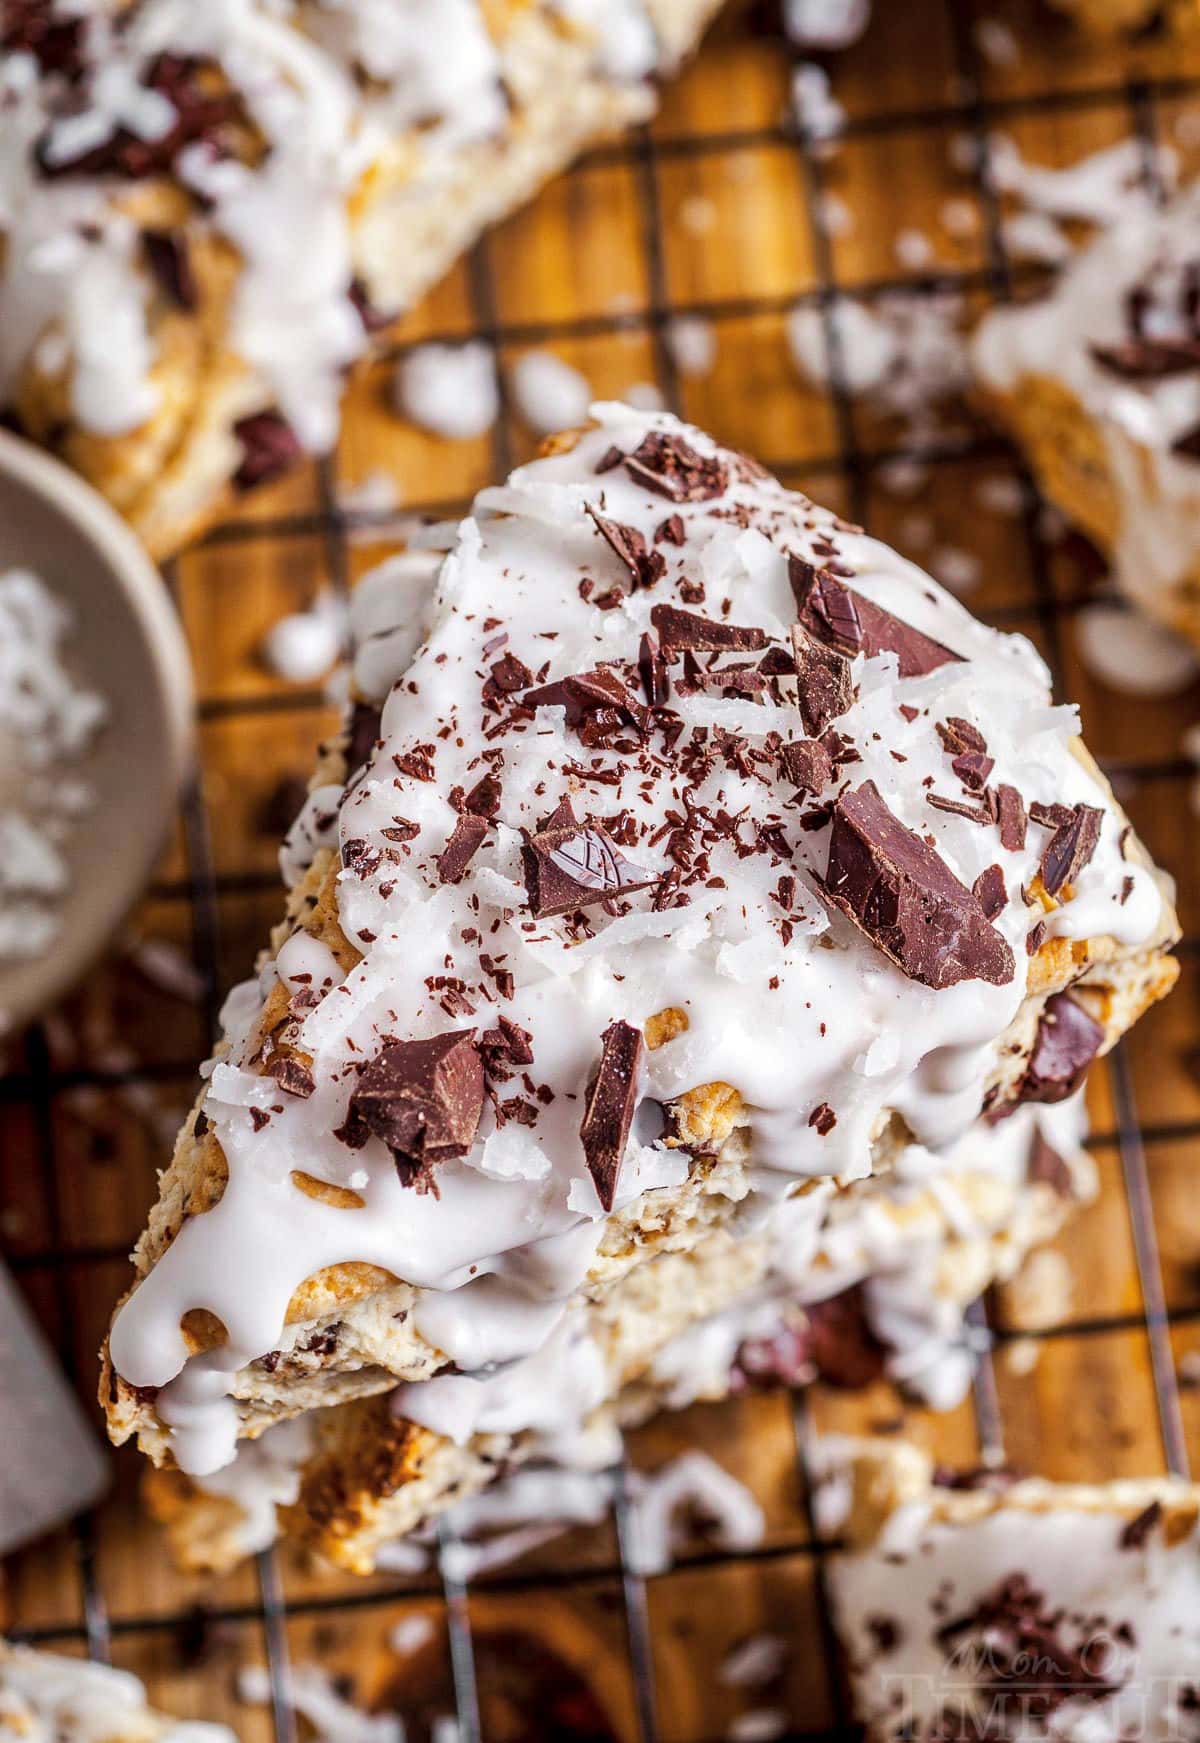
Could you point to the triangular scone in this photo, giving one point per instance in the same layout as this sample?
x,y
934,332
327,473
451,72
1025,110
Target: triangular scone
x,y
45,1696
875,1284
1098,381
972,1604
704,850
185,277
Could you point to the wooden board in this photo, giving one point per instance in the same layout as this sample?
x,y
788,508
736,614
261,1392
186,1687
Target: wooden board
x,y
713,212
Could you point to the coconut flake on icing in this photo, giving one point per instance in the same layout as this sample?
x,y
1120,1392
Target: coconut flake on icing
x,y
792,1023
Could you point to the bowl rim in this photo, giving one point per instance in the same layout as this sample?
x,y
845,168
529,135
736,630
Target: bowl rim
x,y
135,573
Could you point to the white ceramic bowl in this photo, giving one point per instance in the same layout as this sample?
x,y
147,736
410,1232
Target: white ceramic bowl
x,y
129,646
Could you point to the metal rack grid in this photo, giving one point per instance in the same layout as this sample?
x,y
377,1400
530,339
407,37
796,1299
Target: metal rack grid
x,y
202,889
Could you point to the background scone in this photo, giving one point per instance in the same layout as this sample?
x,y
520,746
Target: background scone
x,y
704,852
1100,382
46,1698
1058,1609
209,208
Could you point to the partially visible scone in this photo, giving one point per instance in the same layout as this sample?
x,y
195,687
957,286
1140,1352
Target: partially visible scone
x,y
46,1698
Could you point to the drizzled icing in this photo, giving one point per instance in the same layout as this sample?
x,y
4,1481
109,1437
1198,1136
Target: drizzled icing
x,y
821,1034
1137,279
327,86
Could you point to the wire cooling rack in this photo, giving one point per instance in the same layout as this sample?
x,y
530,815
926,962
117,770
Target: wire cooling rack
x,y
721,210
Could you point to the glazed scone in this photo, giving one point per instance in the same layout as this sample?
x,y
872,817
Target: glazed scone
x,y
875,1284
602,933
208,209
46,1698
1100,383
973,1604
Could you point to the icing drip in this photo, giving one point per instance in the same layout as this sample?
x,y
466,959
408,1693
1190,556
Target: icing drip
x,y
824,1036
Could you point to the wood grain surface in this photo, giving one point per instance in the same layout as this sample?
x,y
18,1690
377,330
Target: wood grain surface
x,y
713,212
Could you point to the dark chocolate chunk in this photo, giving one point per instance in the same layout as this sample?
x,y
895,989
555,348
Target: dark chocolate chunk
x,y
424,1100
509,1041
822,1119
1068,1039
670,531
854,624
362,736
645,566
597,703
269,447
575,866
611,1100
806,764
483,800
687,629
990,891
465,841
200,114
1136,1531
824,684
652,668
904,896
1188,445
670,467
1013,822
1044,1165
293,1076
167,256
1071,847
509,674
841,1344
1141,359
374,320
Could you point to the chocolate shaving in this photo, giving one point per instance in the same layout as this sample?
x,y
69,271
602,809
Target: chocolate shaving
x,y
1068,1039
824,684
1071,847
576,865
1013,821
670,467
167,256
423,1099
687,629
611,1100
270,447
652,669
905,898
854,624
464,843
645,566
1137,1531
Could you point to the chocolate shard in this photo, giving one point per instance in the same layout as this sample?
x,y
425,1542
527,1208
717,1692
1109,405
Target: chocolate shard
x,y
990,891
576,865
652,669
1136,1532
1141,359
904,896
611,1100
824,683
646,566
508,1041
466,838
293,1076
1068,1039
681,629
1013,820
362,736
167,256
1071,847
423,1099
510,674
671,467
1187,446
841,1344
483,800
854,624
597,704
806,764
269,447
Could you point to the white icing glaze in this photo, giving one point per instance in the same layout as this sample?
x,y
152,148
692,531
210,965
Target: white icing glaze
x,y
45,1698
1157,542
794,1015
1129,1614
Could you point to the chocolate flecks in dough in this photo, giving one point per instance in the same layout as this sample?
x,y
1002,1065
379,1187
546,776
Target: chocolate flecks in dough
x,y
687,629
465,841
611,1100
854,624
645,566
269,445
169,260
1013,821
1136,1532
1071,847
576,865
670,467
806,764
990,890
904,896
1068,1039
824,683
423,1099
